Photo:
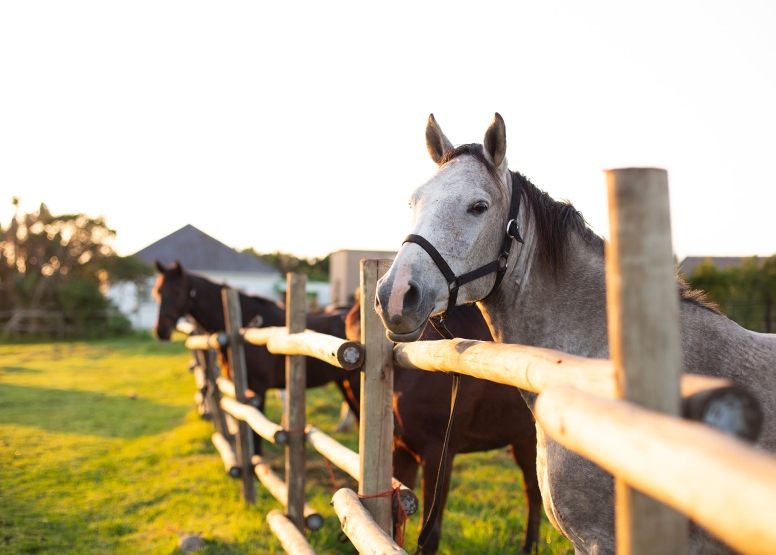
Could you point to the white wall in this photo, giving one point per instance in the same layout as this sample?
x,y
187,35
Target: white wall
x,y
263,285
141,308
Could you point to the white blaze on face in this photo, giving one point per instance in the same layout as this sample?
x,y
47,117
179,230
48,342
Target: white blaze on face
x,y
401,284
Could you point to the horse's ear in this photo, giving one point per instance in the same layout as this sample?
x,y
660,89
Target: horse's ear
x,y
436,142
178,267
159,267
495,141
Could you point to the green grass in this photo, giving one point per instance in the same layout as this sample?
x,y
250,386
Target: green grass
x,y
101,451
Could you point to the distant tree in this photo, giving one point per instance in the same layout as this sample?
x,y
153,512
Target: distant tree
x,y
317,269
746,293
718,284
60,262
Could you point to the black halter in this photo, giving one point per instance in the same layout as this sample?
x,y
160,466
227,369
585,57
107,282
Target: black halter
x,y
454,283
499,265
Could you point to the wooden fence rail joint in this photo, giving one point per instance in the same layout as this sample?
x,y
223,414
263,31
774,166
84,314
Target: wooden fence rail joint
x,y
277,487
359,526
215,341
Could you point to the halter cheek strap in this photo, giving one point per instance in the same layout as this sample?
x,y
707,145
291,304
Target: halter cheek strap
x,y
499,266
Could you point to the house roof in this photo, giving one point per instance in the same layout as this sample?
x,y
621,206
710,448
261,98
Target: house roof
x,y
198,251
688,265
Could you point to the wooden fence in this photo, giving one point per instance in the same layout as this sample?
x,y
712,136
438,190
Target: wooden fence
x,y
222,399
623,413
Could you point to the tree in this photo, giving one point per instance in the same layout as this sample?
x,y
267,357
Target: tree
x,y
746,293
60,262
716,283
317,269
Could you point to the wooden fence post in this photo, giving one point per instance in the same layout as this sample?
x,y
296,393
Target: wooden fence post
x,y
296,382
643,314
376,420
236,354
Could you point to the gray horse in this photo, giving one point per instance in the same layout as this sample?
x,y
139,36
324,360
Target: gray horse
x,y
553,294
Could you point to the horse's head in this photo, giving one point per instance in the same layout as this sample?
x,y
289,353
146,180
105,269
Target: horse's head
x,y
173,293
462,212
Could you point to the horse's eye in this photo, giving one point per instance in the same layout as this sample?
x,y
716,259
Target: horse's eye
x,y
479,208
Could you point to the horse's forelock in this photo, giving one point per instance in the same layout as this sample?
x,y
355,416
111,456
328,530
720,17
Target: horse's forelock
x,y
476,151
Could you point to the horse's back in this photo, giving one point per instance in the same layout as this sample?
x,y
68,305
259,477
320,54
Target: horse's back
x,y
713,345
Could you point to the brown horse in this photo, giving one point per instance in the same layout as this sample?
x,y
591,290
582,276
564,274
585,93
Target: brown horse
x,y
488,416
181,293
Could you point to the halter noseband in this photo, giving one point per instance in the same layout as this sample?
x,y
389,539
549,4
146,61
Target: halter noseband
x,y
499,265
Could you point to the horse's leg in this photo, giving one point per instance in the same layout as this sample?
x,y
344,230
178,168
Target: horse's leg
x,y
349,410
347,385
524,454
430,460
405,466
346,420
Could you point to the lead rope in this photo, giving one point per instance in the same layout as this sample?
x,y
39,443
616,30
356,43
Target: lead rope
x,y
428,526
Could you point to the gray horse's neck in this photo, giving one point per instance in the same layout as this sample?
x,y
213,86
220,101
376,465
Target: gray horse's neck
x,y
566,312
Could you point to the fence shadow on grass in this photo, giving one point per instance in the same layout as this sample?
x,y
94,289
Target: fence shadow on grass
x,y
19,370
84,412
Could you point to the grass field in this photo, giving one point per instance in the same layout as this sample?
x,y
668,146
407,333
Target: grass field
x,y
101,451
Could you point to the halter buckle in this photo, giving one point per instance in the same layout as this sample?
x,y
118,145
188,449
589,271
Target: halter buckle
x,y
504,261
514,234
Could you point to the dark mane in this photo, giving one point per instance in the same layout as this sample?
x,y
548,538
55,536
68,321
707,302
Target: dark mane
x,y
695,296
475,150
554,221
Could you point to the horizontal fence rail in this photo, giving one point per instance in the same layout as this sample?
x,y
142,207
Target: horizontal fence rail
x,y
721,483
259,423
204,342
228,456
537,369
277,487
338,352
292,540
530,368
349,461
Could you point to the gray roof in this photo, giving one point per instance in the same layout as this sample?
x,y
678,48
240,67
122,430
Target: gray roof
x,y
198,251
688,265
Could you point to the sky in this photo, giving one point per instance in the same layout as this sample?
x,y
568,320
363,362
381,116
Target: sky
x,y
299,127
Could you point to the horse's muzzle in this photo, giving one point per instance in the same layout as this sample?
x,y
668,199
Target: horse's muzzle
x,y
405,337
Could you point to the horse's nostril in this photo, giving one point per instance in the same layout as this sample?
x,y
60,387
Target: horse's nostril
x,y
412,296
